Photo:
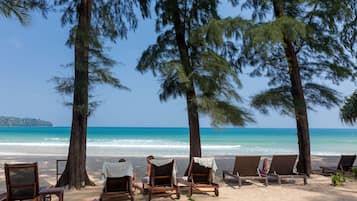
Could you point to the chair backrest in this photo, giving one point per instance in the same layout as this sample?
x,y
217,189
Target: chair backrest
x,y
21,181
117,184
162,175
246,165
60,166
199,174
283,164
346,162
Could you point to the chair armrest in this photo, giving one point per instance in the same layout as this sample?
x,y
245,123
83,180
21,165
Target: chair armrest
x,y
3,196
229,173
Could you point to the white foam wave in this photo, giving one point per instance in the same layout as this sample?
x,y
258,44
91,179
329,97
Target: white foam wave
x,y
114,145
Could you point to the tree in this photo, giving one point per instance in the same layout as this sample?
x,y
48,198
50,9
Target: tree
x,y
348,112
297,46
93,22
21,9
189,68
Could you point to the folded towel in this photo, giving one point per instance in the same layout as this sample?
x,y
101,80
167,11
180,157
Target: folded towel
x,y
208,163
121,169
162,162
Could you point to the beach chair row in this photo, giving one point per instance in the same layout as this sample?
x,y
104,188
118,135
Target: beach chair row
x,y
281,166
22,181
162,180
247,168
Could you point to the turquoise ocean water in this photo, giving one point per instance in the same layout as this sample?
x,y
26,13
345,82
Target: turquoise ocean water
x,y
106,141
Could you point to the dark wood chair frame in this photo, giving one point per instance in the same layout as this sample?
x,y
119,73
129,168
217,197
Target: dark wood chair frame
x,y
126,191
38,194
197,186
159,188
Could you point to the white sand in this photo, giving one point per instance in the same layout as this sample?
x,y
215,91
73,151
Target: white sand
x,y
318,188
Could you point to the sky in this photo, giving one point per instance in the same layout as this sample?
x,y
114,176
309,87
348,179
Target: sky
x,y
31,56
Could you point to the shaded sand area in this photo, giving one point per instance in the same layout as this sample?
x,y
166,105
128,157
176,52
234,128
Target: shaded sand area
x,y
318,188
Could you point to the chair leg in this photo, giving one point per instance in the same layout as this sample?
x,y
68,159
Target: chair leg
x,y
178,192
266,181
305,180
150,194
216,192
239,182
279,180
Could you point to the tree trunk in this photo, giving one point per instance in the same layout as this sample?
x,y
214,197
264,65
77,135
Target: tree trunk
x,y
194,125
75,174
297,92
192,110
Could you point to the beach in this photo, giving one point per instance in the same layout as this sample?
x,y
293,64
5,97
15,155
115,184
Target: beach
x,y
105,144
318,188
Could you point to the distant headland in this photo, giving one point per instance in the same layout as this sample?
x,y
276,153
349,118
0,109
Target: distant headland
x,y
23,122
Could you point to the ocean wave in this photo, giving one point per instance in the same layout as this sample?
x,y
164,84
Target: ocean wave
x,y
114,145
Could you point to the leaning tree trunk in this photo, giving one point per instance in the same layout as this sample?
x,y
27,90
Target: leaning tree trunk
x,y
192,110
297,92
75,174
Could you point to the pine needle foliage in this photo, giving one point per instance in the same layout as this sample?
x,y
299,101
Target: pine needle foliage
x,y
348,112
110,20
211,72
21,9
298,46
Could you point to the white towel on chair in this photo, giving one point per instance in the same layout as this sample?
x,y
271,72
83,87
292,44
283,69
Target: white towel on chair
x,y
121,169
208,163
162,162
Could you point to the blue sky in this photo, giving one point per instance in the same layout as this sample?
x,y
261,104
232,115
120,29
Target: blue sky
x,y
30,56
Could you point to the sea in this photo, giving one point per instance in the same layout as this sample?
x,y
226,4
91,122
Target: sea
x,y
120,141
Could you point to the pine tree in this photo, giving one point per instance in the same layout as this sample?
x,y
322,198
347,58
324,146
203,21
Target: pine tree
x,y
190,68
93,23
297,45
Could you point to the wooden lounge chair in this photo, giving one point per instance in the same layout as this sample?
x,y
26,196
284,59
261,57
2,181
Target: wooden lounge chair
x,y
344,165
200,179
162,180
22,183
246,167
117,187
282,166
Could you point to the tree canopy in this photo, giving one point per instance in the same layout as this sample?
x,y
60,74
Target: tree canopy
x,y
348,112
213,74
21,9
110,20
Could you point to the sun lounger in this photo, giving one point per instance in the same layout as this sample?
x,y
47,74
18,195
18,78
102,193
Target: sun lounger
x,y
22,183
344,165
201,176
246,168
282,166
162,180
118,181
117,187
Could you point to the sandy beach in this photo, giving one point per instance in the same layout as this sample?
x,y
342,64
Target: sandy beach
x,y
318,187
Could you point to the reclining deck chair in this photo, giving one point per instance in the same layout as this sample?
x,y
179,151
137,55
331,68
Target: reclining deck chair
x,y
118,181
201,177
282,166
344,165
246,167
163,178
